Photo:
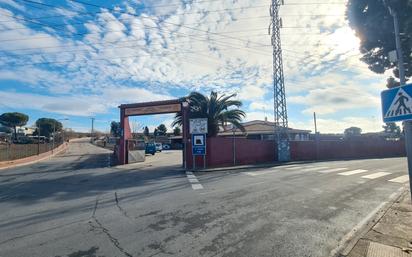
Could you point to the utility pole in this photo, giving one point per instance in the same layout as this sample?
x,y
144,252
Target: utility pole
x,y
92,131
407,124
280,111
316,136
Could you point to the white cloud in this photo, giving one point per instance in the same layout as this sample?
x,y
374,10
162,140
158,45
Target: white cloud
x,y
367,124
334,99
191,47
81,105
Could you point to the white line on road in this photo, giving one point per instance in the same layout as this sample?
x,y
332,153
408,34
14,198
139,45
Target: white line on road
x,y
401,179
376,175
352,172
193,181
197,186
299,167
316,168
259,173
332,170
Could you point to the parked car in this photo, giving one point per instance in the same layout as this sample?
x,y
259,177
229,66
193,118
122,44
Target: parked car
x,y
159,147
150,148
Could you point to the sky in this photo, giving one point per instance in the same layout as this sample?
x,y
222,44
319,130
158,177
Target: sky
x,y
78,59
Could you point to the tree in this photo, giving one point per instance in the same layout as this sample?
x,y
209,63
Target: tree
x,y
392,129
14,120
115,129
146,131
6,130
374,26
162,129
48,126
218,110
391,82
177,131
352,131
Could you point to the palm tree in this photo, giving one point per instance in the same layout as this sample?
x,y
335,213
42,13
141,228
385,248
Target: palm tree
x,y
218,110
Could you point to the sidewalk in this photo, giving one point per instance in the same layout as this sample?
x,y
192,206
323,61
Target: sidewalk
x,y
390,236
34,158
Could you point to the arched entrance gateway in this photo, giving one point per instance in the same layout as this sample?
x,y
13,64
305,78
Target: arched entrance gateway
x,y
149,108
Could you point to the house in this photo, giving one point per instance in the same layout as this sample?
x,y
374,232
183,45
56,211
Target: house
x,y
264,130
25,131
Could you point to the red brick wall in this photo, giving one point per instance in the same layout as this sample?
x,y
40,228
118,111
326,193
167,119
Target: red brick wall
x,y
220,152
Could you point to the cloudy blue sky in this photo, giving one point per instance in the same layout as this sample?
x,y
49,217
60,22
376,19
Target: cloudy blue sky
x,y
78,59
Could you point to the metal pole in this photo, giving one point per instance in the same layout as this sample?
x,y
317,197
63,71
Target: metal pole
x,y
38,140
54,137
194,162
316,136
92,132
401,66
234,149
402,79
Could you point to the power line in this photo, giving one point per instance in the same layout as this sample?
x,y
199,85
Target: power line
x,y
131,56
91,33
165,22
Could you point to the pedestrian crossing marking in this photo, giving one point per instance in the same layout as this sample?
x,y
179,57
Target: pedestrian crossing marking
x,y
332,170
261,172
352,172
376,175
401,179
197,186
300,167
315,169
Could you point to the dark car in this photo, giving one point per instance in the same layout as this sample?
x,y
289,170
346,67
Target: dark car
x,y
150,148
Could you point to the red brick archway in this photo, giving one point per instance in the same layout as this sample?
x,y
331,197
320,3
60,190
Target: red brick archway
x,y
149,108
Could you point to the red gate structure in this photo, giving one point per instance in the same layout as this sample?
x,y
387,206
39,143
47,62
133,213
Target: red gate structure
x,y
149,108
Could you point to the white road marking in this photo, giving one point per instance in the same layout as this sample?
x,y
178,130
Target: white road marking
x,y
193,181
316,168
197,186
299,167
401,179
352,172
258,173
332,170
376,175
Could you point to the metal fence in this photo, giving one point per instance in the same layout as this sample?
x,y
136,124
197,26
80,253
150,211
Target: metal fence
x,y
9,152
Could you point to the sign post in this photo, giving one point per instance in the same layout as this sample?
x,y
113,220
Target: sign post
x,y
198,130
397,106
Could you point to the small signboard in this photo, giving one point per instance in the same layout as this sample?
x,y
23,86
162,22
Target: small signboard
x,y
397,104
199,144
198,126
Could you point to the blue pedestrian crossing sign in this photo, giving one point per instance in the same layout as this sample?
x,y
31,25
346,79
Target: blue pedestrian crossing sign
x,y
397,104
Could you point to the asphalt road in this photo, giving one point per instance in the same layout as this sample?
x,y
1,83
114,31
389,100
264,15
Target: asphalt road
x,y
75,205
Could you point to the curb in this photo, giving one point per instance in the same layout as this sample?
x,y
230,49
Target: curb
x,y
349,241
49,154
